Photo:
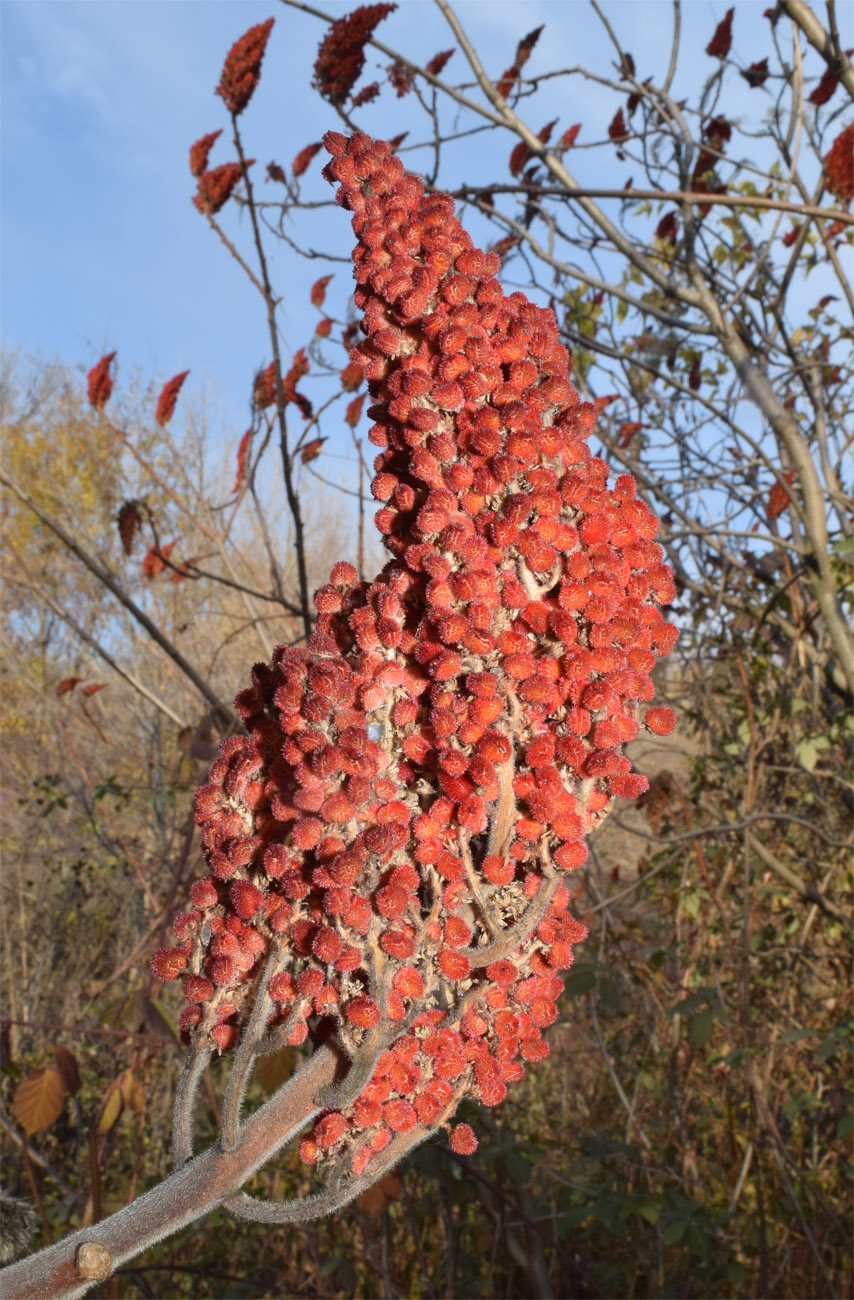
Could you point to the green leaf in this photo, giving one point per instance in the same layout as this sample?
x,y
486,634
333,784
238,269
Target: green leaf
x,y
674,1231
579,982
701,1027
649,1210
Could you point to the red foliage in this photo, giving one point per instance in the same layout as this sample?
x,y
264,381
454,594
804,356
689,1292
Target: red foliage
x,y
318,291
719,46
242,69
264,392
99,382
129,520
486,681
401,77
341,56
353,413
839,166
154,560
627,431
68,684
825,88
311,450
242,457
757,74
301,162
779,498
168,398
200,151
519,155
570,135
366,95
667,228
438,61
618,130
217,186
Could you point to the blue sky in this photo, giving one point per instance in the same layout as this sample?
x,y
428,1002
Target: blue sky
x,y
102,248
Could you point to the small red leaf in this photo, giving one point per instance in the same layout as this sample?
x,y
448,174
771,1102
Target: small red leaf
x,y
508,78
311,450
694,376
200,151
617,130
94,687
300,164
526,45
275,173
318,290
438,61
757,74
567,140
242,454
601,402
825,88
242,69
129,520
518,157
627,431
264,388
839,166
719,46
779,498
216,187
67,684
154,560
100,383
168,398
666,228
351,377
353,413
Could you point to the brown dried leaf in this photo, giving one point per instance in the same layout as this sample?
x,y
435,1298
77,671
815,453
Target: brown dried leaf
x,y
382,1194
66,1063
274,1070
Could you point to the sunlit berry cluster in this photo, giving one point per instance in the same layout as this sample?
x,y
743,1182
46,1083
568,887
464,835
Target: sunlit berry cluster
x,y
341,56
390,839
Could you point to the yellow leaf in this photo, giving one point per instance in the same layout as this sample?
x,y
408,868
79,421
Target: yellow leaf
x,y
133,1093
39,1100
113,1107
